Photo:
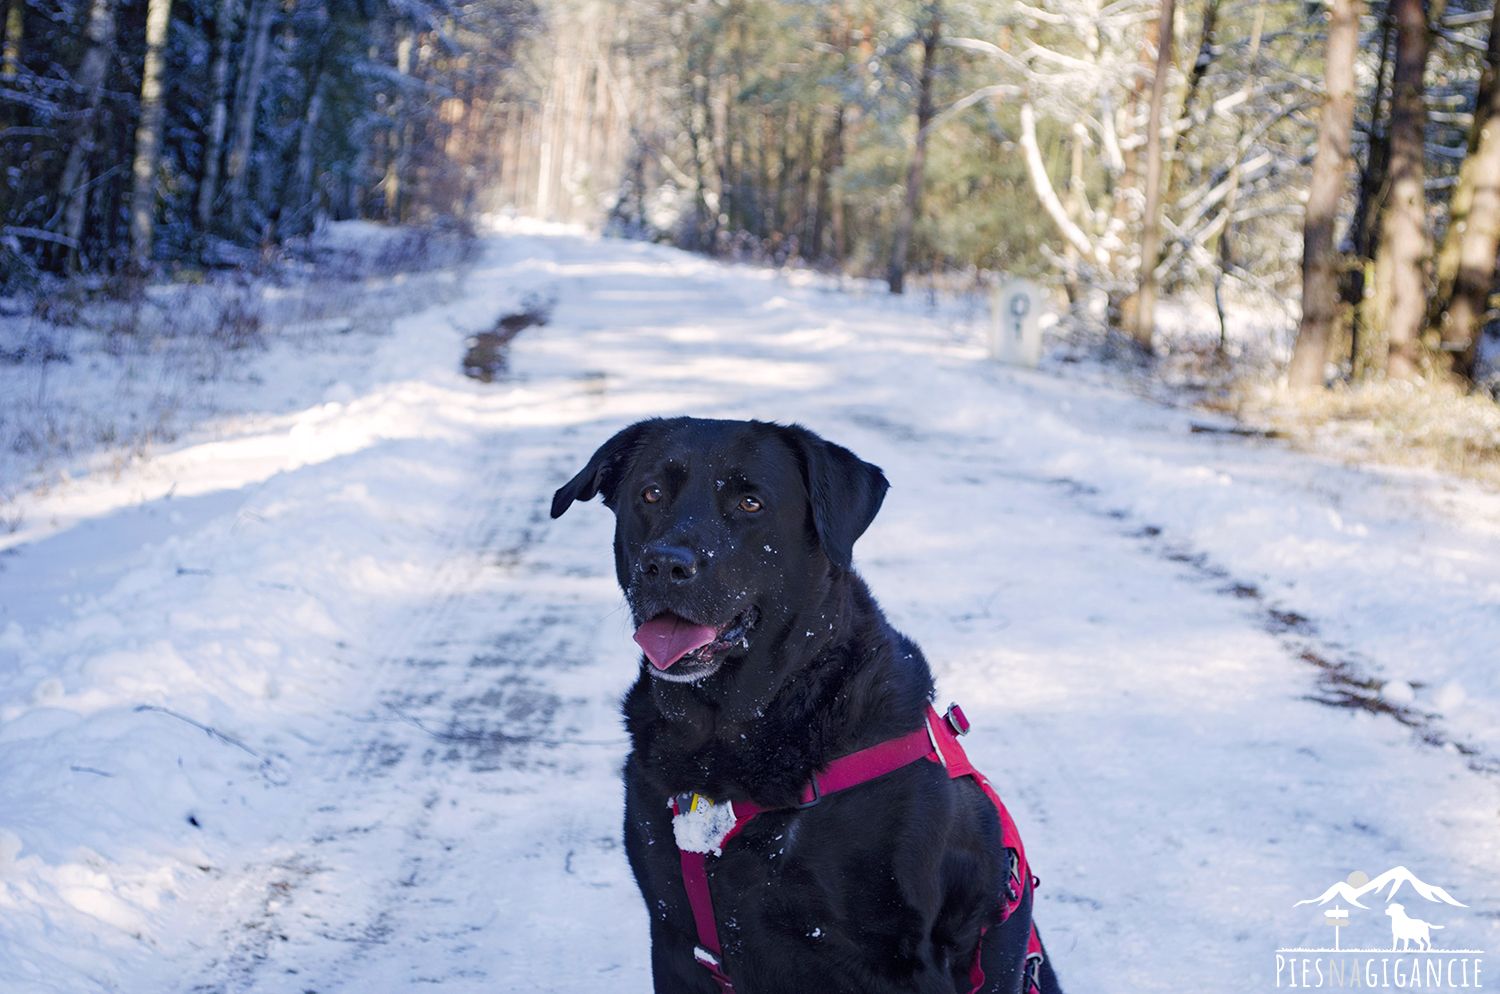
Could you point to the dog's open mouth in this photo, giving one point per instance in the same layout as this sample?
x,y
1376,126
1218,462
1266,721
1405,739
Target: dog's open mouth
x,y
686,647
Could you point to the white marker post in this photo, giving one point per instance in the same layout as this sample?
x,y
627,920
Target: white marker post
x,y
1015,323
1337,918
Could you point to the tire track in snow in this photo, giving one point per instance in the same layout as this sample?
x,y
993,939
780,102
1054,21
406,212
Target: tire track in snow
x,y
474,706
1342,677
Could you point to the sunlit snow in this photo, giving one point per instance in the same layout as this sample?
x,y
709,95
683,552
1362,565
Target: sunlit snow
x,y
321,700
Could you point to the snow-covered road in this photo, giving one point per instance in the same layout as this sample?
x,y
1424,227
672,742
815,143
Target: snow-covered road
x,y
326,703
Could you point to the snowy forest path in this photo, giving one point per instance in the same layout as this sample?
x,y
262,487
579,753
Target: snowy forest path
x,y
1134,698
1091,580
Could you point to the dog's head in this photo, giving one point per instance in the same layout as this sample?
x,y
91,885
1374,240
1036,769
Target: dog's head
x,y
726,532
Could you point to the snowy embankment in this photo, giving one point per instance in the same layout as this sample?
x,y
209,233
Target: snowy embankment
x,y
176,355
327,703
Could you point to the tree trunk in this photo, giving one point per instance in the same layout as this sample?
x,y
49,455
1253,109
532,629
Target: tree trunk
x,y
700,124
1466,266
832,158
572,104
15,27
219,116
767,211
1077,209
73,218
1364,232
395,172
545,129
1404,247
896,276
304,193
1201,64
91,74
1226,261
800,224
784,169
1320,257
1145,311
246,102
1120,312
148,134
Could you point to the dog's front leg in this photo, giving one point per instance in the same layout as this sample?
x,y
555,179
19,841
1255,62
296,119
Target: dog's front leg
x,y
657,865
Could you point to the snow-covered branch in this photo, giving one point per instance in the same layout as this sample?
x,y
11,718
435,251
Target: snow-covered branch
x,y
1048,196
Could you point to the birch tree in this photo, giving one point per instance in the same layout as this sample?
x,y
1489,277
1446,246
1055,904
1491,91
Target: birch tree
x,y
1145,313
72,188
148,135
208,186
247,99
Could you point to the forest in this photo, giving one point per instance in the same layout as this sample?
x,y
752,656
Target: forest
x,y
1336,154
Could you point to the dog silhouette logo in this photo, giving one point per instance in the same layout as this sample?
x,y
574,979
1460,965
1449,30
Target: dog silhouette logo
x,y
1406,930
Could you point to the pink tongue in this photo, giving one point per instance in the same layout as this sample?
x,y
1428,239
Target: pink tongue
x,y
667,638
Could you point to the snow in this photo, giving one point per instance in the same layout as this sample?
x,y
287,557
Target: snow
x,y
318,698
703,826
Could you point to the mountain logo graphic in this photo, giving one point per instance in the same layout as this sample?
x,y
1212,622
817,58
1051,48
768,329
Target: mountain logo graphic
x,y
1414,957
1352,890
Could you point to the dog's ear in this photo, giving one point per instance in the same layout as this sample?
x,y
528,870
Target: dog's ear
x,y
605,469
845,491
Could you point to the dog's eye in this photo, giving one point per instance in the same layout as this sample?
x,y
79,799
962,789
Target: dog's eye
x,y
651,495
749,504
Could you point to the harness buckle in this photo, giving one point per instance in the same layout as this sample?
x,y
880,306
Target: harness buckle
x,y
932,737
1032,969
957,720
1013,883
715,969
817,793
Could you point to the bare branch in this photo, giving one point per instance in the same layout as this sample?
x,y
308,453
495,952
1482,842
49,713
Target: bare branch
x,y
963,104
1048,196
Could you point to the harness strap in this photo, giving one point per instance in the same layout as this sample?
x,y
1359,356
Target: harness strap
x,y
951,754
707,952
851,770
1034,959
945,743
937,741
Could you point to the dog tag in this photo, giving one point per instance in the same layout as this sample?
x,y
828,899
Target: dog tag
x,y
701,824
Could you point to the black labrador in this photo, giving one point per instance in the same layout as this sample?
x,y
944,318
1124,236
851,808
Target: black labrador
x,y
766,658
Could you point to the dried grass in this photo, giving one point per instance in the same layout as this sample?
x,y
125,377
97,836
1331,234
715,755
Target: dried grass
x,y
1430,425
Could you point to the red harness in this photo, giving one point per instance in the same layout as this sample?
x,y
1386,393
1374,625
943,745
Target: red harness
x,y
937,741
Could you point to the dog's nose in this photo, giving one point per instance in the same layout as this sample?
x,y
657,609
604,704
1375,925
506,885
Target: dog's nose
x,y
677,563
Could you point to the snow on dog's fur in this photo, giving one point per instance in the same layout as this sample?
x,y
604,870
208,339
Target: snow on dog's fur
x,y
1404,929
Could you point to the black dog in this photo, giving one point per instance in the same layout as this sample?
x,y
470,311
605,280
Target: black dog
x,y
766,660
